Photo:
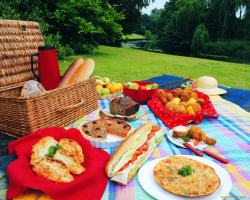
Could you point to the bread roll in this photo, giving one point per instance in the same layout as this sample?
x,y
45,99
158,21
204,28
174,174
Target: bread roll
x,y
83,72
70,72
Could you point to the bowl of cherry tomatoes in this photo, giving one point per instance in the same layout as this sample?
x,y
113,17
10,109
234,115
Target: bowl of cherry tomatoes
x,y
140,91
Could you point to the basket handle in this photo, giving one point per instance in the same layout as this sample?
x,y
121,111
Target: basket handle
x,y
71,106
32,69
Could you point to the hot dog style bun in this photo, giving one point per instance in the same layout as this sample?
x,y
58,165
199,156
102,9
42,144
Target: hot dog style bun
x,y
77,71
133,152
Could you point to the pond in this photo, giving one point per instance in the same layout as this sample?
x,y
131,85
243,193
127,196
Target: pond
x,y
141,44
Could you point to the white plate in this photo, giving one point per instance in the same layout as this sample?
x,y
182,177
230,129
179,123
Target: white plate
x,y
179,142
149,184
111,142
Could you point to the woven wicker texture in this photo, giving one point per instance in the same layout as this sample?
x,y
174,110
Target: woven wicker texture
x,y
18,40
20,116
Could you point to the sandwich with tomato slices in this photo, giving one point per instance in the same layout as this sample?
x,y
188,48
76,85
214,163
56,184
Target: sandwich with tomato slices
x,y
133,152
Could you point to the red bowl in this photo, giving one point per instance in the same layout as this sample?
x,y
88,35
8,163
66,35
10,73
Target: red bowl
x,y
140,96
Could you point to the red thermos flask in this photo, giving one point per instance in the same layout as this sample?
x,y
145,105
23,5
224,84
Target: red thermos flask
x,y
48,67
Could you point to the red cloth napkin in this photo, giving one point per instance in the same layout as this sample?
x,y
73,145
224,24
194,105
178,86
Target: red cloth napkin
x,y
90,184
171,120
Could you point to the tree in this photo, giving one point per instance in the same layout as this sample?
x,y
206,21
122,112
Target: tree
x,y
188,14
170,40
226,19
132,11
221,19
199,38
79,24
148,35
85,24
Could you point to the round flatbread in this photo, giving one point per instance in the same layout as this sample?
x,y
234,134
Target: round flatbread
x,y
202,182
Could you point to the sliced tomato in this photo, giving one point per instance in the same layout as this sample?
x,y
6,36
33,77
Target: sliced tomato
x,y
150,135
124,167
138,152
155,128
133,159
145,146
195,142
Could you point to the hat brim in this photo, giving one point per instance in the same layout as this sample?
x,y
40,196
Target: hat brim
x,y
215,92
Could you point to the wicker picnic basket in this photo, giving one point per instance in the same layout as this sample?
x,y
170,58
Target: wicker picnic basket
x,y
20,116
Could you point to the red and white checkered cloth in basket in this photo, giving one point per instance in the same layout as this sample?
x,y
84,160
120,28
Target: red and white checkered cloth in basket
x,y
171,120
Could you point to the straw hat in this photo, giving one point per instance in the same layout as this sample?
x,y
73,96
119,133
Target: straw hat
x,y
208,85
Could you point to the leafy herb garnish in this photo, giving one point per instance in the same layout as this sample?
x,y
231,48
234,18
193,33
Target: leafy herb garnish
x,y
52,150
189,135
185,171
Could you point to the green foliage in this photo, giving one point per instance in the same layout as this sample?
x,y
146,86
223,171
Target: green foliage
x,y
188,14
149,22
199,38
180,32
86,24
170,40
131,10
70,25
54,40
148,35
233,49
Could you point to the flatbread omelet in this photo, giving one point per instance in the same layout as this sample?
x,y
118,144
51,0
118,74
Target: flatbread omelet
x,y
202,182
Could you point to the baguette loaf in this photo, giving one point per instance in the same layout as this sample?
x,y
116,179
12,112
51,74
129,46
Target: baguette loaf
x,y
77,71
83,72
70,72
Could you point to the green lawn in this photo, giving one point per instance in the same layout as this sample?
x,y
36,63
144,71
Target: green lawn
x,y
133,36
122,64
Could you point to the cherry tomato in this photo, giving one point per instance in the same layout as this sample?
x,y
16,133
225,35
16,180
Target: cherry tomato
x,y
142,87
195,142
124,167
155,128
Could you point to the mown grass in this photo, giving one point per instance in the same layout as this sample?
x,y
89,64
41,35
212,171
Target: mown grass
x,y
133,36
122,65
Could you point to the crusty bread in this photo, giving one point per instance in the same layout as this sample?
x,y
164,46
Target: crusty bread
x,y
83,72
125,146
124,106
70,72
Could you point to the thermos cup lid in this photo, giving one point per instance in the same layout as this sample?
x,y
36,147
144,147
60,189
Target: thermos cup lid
x,y
46,48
